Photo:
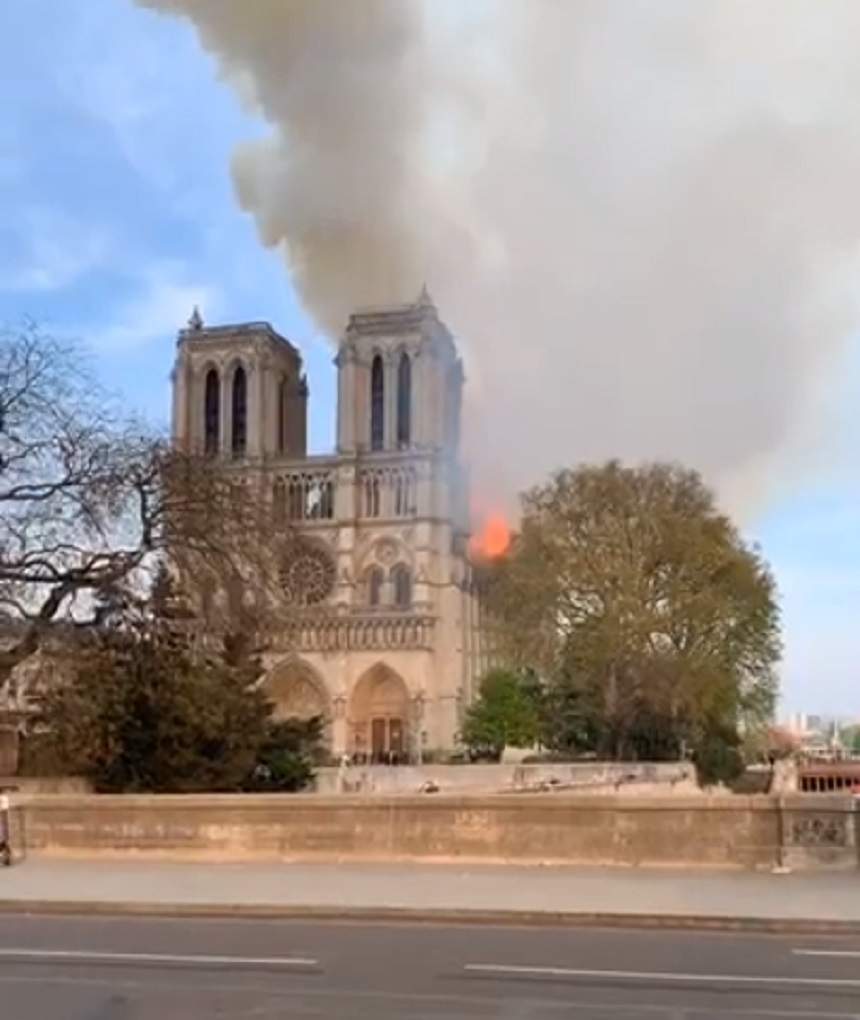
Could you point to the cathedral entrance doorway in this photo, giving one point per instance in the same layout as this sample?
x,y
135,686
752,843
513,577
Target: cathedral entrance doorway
x,y
386,738
297,692
379,712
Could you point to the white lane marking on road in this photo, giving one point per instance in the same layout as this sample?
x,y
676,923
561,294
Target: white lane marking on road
x,y
88,956
645,975
826,952
410,999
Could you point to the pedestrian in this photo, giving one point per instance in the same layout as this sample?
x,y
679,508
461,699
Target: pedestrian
x,y
5,831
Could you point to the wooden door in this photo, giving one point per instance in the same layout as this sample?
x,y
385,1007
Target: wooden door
x,y
395,737
378,741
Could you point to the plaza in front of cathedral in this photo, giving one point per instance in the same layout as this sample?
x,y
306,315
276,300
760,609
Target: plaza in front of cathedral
x,y
382,635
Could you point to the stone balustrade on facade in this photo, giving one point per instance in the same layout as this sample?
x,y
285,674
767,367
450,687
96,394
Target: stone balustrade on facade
x,y
359,631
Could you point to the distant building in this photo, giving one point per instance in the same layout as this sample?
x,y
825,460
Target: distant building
x,y
820,736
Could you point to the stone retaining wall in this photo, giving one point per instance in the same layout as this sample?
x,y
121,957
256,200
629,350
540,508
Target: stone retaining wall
x,y
723,832
498,778
30,785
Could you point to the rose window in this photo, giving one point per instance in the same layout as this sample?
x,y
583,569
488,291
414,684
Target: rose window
x,y
308,577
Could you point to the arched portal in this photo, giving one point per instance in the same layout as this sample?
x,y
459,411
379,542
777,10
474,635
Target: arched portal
x,y
297,692
379,716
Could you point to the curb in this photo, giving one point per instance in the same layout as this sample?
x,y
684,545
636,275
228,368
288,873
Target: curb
x,y
416,916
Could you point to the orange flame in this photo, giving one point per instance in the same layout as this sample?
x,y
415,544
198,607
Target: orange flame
x,y
492,540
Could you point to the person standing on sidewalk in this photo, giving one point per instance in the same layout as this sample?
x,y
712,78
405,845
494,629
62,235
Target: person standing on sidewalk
x,y
5,830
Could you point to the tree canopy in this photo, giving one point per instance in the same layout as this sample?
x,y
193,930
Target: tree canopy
x,y
146,705
639,603
506,714
144,710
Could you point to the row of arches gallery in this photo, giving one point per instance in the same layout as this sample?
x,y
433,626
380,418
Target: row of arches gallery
x,y
377,711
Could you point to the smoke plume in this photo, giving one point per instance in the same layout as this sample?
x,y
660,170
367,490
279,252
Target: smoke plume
x,y
639,218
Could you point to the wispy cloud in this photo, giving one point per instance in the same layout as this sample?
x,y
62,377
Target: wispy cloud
x,y
45,249
159,305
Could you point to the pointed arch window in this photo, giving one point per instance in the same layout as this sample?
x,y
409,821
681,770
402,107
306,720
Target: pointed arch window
x,y
377,404
404,400
374,586
282,414
402,578
212,412
240,412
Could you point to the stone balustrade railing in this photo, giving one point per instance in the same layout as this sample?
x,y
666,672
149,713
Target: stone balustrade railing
x,y
370,630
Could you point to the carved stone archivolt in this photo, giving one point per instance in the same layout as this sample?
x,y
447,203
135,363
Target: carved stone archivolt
x,y
386,551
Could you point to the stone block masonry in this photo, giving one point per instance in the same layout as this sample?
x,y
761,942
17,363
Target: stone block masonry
x,y
714,832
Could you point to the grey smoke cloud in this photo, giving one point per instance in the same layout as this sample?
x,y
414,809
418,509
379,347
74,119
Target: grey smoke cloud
x,y
640,218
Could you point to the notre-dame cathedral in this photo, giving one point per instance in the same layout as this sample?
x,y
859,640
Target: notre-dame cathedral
x,y
384,636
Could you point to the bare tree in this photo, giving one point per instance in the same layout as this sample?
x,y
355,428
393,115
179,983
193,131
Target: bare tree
x,y
90,500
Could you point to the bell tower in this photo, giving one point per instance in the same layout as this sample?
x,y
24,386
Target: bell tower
x,y
400,381
238,392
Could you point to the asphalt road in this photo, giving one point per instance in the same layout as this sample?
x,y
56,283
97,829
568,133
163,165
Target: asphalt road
x,y
140,968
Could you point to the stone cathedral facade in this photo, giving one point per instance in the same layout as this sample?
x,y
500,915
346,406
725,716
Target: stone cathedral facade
x,y
381,631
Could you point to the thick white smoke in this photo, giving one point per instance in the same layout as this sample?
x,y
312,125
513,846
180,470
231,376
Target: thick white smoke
x,y
638,217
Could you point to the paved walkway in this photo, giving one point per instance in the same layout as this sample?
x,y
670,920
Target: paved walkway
x,y
41,882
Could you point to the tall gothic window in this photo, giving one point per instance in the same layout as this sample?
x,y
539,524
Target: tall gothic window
x,y
212,412
404,400
377,404
240,412
374,586
282,414
402,579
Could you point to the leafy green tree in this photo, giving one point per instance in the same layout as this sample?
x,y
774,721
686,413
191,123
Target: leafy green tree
x,y
718,757
850,737
567,723
145,711
629,587
506,714
288,755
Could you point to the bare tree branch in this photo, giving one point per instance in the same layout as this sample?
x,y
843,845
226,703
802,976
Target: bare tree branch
x,y
89,501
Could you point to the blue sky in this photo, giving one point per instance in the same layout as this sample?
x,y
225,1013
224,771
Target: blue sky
x,y
117,214
117,206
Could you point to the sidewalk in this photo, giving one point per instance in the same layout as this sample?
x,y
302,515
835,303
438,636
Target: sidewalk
x,y
665,898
